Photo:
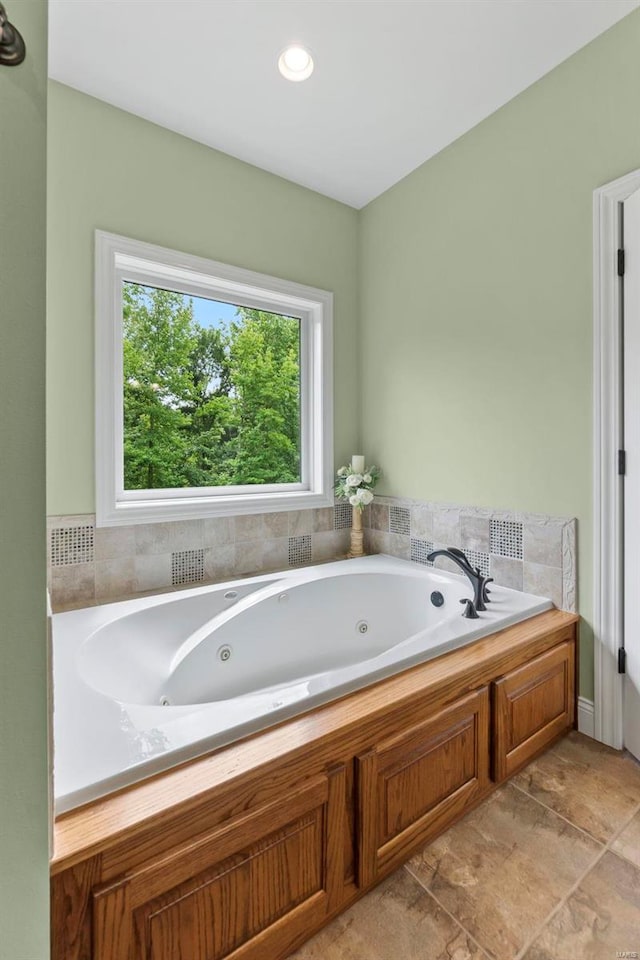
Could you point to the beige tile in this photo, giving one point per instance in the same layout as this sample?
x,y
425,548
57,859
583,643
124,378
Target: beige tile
x,y
376,541
329,546
474,532
276,525
115,578
446,528
627,844
599,921
275,554
110,543
595,787
249,557
543,581
153,538
396,921
398,545
217,531
301,522
248,527
152,572
504,867
421,522
542,543
186,534
379,516
506,571
444,564
323,519
219,562
72,584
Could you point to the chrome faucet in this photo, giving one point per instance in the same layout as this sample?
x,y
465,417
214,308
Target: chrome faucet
x,y
477,580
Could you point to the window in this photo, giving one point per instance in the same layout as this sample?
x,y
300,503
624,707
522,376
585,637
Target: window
x,y
213,388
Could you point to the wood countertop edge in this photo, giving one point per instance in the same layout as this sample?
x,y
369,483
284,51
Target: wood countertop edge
x,y
95,827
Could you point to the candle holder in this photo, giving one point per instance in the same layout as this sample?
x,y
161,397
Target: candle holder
x,y
355,483
357,534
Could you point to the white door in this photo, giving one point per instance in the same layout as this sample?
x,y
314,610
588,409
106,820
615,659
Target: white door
x,y
631,346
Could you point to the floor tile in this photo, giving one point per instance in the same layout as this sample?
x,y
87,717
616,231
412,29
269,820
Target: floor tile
x,y
627,843
502,869
396,921
593,786
600,921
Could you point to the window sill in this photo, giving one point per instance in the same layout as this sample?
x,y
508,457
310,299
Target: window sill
x,y
200,508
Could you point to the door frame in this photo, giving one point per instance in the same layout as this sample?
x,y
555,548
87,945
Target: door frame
x,y
608,515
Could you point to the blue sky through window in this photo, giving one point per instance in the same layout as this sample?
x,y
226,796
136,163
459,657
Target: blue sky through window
x,y
213,313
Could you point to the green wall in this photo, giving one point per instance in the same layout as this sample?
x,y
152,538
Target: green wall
x,y
463,358
476,279
111,170
23,698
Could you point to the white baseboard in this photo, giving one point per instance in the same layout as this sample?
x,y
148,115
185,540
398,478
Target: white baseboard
x,y
585,716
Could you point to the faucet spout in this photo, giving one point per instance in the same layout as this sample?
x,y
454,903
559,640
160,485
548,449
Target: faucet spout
x,y
477,580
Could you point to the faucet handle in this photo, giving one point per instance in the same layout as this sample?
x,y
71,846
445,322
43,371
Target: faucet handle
x,y
469,612
486,593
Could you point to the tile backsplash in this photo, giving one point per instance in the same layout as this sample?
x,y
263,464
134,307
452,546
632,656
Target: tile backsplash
x,y
526,551
89,564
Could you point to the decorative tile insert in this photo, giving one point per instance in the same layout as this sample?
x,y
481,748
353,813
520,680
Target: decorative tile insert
x,y
342,516
72,545
399,520
187,566
420,550
479,559
299,550
506,538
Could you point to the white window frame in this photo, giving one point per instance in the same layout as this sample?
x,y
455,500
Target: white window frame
x,y
118,259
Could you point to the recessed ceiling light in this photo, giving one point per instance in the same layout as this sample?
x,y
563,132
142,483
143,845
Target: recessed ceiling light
x,y
295,63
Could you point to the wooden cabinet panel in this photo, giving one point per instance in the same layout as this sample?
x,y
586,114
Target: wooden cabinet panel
x,y
215,913
227,894
412,784
532,705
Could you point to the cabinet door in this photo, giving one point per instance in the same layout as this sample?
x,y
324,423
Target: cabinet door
x,y
246,891
532,705
413,784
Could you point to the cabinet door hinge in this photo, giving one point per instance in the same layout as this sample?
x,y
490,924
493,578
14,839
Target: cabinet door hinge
x,y
622,660
621,263
622,462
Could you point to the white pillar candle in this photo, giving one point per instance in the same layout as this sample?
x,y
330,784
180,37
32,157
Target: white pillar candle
x,y
357,463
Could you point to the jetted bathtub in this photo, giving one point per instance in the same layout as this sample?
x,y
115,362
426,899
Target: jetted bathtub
x,y
142,685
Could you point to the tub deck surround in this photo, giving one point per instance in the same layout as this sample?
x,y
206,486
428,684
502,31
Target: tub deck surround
x,y
525,551
530,552
245,853
163,679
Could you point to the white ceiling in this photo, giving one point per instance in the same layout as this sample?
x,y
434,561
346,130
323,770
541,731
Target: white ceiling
x,y
395,80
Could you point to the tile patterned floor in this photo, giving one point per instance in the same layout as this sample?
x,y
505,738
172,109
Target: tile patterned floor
x,y
547,868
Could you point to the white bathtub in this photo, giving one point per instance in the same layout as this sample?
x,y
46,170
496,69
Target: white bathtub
x,y
142,685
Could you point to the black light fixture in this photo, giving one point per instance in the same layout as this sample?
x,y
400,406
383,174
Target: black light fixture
x,y
12,47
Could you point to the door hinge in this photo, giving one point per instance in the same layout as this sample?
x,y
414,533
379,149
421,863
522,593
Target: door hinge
x,y
622,462
621,263
622,660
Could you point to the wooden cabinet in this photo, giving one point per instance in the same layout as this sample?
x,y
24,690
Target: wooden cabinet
x,y
244,854
244,891
531,706
414,783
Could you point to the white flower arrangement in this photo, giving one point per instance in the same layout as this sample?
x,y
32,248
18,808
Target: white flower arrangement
x,y
356,487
